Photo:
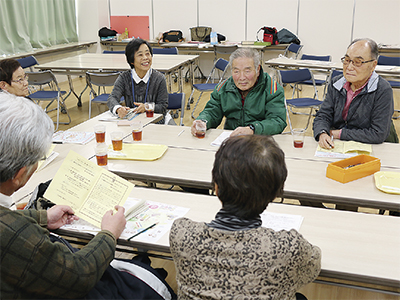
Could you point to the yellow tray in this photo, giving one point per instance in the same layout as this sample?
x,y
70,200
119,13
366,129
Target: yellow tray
x,y
138,152
388,182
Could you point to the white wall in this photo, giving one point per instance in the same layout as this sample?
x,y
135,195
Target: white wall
x,y
323,26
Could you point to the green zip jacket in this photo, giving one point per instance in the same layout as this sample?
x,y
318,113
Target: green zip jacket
x,y
264,106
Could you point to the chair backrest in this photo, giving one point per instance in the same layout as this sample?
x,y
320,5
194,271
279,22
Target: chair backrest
x,y
389,60
172,51
221,64
294,48
336,73
113,52
102,79
316,57
295,76
176,101
41,78
28,62
225,49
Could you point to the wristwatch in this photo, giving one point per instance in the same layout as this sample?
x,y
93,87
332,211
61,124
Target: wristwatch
x,y
252,127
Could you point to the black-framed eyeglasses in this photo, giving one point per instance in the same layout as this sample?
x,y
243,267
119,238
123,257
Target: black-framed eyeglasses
x,y
43,158
356,62
21,80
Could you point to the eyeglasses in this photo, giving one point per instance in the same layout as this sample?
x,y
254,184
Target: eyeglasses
x,y
356,62
21,80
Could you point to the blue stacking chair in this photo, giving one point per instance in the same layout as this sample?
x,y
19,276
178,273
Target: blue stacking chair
x,y
176,101
297,77
221,65
318,82
54,94
293,48
170,51
100,80
391,61
28,62
113,52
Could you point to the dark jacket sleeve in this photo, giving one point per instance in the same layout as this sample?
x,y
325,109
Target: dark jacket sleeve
x,y
160,93
33,265
121,88
324,118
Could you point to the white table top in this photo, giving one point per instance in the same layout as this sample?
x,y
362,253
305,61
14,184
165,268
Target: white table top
x,y
115,62
366,253
325,65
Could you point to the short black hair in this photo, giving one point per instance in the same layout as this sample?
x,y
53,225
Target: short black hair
x,y
132,47
7,68
250,172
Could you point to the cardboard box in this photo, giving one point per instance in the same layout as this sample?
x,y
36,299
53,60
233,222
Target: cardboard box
x,y
353,168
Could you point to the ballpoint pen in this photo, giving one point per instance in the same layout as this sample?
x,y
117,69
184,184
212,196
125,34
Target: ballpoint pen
x,y
147,228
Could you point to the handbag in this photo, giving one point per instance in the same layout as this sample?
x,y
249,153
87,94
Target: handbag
x,y
172,36
199,33
270,35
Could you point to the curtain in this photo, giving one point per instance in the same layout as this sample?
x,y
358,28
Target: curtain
x,y
29,24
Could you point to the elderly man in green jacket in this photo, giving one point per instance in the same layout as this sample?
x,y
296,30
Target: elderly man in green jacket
x,y
251,101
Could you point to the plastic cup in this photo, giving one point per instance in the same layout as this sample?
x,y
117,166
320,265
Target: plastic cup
x,y
201,128
149,107
116,139
137,128
298,137
100,131
101,150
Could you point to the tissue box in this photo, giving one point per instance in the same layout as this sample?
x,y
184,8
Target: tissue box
x,y
353,168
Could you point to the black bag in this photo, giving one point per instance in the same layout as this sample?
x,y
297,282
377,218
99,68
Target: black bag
x,y
287,37
220,38
105,32
270,35
172,36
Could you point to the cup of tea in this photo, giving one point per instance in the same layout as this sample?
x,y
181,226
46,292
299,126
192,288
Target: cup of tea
x,y
201,128
149,107
298,137
101,150
116,139
100,131
137,128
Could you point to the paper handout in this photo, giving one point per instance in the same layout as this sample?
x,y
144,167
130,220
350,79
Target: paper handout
x,y
89,189
344,149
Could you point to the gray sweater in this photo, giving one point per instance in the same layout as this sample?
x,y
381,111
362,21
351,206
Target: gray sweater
x,y
157,91
370,113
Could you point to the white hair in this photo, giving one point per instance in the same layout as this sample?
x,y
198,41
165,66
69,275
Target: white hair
x,y
248,53
25,134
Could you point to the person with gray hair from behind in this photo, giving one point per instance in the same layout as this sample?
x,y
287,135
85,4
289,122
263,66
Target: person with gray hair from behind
x,y
251,101
32,266
359,104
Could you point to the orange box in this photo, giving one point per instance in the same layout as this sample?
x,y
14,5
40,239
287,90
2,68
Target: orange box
x,y
353,168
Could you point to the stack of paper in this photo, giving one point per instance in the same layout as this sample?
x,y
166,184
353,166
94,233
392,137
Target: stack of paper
x,y
344,149
73,137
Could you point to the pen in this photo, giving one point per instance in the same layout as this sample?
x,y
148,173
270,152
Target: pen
x,y
181,132
151,226
332,141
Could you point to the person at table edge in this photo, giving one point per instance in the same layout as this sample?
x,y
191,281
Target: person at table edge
x,y
358,105
251,101
148,84
13,78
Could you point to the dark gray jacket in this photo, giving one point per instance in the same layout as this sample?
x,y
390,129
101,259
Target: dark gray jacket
x,y
157,91
370,113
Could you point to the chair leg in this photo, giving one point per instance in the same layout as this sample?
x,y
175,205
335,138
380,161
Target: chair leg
x,y
189,100
195,106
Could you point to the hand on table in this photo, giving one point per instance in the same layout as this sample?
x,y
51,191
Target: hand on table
x,y
325,141
114,222
242,131
59,215
193,129
139,107
122,111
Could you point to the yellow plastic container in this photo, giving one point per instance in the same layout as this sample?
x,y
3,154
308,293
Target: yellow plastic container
x,y
353,168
